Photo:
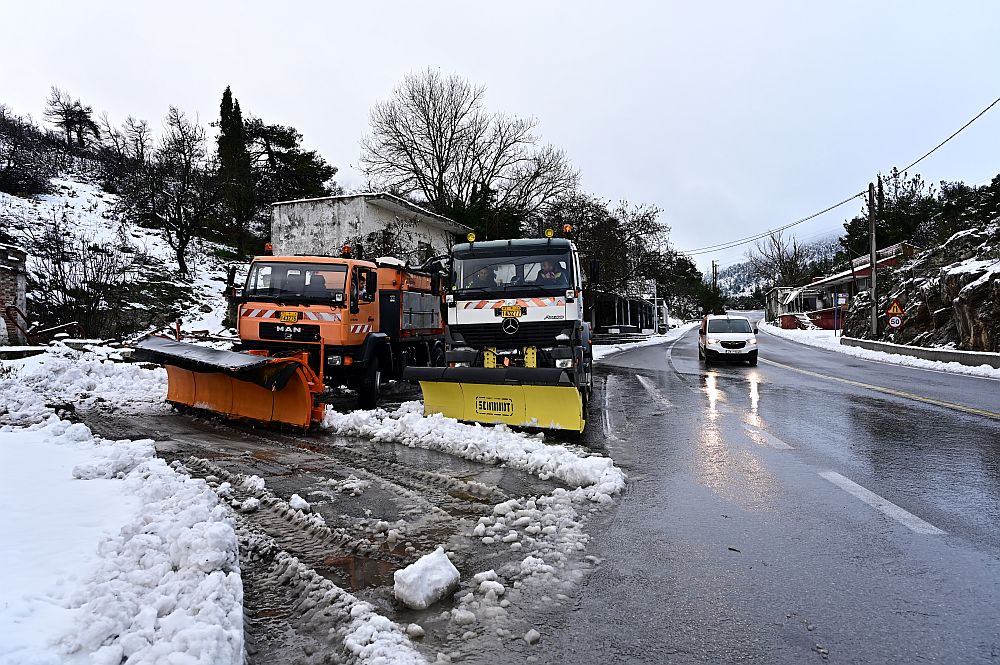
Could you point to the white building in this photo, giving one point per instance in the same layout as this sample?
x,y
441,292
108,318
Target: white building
x,y
374,224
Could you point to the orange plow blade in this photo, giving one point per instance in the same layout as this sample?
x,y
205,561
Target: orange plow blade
x,y
272,391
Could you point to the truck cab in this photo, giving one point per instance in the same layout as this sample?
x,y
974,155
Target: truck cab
x,y
361,322
517,303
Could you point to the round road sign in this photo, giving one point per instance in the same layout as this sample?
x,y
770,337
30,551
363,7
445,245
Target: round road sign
x,y
895,321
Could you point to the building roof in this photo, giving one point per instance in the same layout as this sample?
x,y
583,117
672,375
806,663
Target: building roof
x,y
394,204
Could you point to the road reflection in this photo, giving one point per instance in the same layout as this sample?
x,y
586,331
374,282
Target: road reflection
x,y
733,472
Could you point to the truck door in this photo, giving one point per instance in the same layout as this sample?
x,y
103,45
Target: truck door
x,y
363,313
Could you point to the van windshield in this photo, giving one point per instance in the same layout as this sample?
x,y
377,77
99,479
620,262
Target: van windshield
x,y
298,282
729,326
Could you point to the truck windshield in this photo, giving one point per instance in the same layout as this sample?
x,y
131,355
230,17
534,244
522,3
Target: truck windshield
x,y
302,282
500,275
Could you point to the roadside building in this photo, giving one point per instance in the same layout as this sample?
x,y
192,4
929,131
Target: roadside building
x,y
373,224
826,300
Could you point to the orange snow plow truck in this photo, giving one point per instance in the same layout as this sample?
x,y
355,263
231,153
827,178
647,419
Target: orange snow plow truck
x,y
308,324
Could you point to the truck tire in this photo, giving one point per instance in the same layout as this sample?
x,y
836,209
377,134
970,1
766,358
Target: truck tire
x,y
437,356
370,386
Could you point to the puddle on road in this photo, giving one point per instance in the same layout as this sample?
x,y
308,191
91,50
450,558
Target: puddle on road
x,y
354,572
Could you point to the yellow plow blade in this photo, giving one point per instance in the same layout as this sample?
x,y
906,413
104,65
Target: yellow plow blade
x,y
520,402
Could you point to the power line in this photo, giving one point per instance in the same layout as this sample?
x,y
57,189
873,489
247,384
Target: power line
x,y
742,241
708,249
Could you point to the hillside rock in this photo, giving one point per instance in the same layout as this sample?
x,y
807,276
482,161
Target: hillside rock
x,y
951,295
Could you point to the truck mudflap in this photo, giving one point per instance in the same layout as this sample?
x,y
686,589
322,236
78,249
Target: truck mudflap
x,y
239,386
521,397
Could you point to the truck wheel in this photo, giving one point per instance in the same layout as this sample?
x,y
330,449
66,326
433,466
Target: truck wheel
x,y
370,388
437,356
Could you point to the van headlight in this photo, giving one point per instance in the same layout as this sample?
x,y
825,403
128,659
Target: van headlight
x,y
711,341
753,341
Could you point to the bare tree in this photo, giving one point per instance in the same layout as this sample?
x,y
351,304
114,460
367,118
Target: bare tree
x,y
72,116
777,260
434,139
172,187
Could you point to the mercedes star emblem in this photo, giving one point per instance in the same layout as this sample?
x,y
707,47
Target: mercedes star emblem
x,y
509,326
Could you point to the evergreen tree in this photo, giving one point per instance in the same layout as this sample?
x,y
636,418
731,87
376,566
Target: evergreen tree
x,y
235,174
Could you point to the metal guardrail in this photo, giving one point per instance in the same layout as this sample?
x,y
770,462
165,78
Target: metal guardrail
x,y
971,358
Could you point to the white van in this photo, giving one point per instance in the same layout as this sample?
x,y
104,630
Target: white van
x,y
727,338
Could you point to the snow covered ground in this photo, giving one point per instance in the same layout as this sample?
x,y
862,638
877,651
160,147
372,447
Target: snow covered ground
x,y
604,350
825,339
109,554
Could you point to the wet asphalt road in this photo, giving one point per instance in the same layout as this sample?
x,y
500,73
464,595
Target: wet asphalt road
x,y
730,546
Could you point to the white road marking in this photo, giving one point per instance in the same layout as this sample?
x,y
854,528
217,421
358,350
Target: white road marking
x,y
766,438
653,391
880,504
606,412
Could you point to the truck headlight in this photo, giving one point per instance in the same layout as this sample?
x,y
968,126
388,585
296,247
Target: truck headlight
x,y
564,363
334,360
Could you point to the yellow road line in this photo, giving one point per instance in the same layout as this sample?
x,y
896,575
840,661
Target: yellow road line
x,y
889,391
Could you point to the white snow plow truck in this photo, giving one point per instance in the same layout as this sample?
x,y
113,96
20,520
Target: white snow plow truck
x,y
517,347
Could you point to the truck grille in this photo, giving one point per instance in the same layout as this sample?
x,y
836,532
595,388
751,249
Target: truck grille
x,y
533,333
733,345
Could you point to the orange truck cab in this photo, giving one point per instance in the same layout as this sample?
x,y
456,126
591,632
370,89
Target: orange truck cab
x,y
360,322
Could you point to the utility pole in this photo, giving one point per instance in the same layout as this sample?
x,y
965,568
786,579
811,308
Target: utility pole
x,y
715,274
874,257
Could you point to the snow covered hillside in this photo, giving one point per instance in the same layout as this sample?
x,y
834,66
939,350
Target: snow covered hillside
x,y
84,218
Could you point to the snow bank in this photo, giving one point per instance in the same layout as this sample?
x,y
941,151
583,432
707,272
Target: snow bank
x,y
604,350
825,339
426,581
597,476
116,556
84,378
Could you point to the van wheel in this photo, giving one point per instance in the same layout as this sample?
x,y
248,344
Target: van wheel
x,y
371,385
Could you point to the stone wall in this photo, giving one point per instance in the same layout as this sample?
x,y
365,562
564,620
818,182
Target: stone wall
x,y
13,291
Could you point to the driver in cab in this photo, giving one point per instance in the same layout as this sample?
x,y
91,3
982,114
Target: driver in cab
x,y
550,273
481,279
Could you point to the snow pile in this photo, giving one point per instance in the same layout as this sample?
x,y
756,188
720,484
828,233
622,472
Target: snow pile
x,y
604,350
113,554
426,581
825,339
84,378
597,476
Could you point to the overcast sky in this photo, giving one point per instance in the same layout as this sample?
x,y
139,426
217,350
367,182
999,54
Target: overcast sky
x,y
732,117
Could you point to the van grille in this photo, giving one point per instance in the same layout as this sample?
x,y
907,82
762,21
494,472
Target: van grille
x,y
733,345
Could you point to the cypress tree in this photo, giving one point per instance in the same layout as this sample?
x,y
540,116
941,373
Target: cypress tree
x,y
234,169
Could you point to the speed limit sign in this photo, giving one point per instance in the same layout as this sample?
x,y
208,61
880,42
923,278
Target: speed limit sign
x,y
895,321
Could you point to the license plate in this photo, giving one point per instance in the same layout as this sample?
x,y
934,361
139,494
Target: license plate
x,y
512,312
289,317
733,350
